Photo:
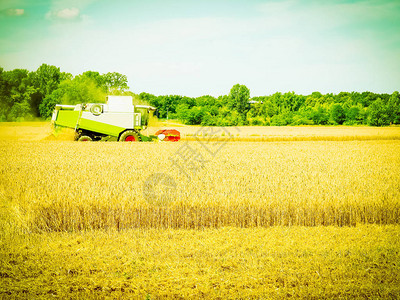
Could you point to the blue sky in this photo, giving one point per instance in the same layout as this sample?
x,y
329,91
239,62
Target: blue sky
x,y
196,48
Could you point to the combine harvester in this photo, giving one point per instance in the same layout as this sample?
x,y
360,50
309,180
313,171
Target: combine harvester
x,y
116,120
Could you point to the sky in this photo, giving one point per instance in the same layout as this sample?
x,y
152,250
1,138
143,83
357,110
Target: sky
x,y
204,47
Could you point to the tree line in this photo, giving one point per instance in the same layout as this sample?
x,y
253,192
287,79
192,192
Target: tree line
x,y
279,109
27,95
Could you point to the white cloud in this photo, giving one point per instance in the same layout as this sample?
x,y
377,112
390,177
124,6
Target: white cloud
x,y
13,12
64,14
68,13
16,12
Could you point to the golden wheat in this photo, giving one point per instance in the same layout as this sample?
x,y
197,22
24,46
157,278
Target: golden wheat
x,y
227,263
243,200
68,186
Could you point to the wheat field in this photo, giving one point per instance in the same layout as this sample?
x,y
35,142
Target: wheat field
x,y
67,186
235,219
297,262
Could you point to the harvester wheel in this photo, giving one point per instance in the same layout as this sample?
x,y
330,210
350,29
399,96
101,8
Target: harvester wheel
x,y
85,138
129,136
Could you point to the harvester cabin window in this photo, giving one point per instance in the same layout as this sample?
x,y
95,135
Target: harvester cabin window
x,y
145,114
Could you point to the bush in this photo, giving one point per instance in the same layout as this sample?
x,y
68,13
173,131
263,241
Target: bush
x,y
278,120
378,114
48,104
337,113
209,120
301,120
256,121
20,112
319,115
352,115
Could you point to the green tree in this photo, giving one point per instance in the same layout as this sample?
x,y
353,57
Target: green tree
x,y
394,108
20,111
278,120
149,98
45,80
15,95
115,82
207,100
209,120
48,104
353,115
190,102
195,115
239,97
98,79
256,121
291,102
81,89
337,113
269,108
319,115
378,114
301,118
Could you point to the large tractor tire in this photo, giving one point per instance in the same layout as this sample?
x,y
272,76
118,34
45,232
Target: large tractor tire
x,y
129,136
85,138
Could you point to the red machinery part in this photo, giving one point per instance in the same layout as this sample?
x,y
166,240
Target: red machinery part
x,y
171,135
